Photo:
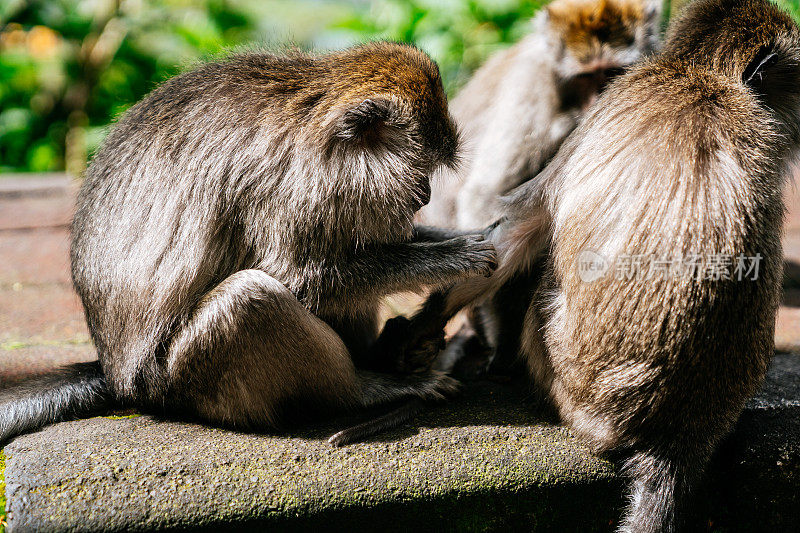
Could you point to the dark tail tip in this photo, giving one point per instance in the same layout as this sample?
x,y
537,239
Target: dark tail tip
x,y
75,391
391,420
657,497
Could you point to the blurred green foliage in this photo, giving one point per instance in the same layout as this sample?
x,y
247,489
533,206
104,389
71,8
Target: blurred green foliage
x,y
68,68
792,6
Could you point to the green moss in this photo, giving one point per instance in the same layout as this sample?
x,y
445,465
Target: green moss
x,y
18,345
2,492
122,417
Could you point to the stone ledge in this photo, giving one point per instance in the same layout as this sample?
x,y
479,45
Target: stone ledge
x,y
33,185
488,461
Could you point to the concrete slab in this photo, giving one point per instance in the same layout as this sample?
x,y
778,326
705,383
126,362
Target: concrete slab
x,y
487,461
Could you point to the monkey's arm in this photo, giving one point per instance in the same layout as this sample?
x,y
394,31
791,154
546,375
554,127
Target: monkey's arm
x,y
520,240
435,234
403,266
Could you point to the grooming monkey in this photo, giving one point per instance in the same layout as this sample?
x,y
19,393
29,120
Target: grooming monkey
x,y
518,108
683,157
236,231
513,115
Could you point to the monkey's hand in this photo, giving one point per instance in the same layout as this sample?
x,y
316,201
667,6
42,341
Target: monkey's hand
x,y
407,348
478,254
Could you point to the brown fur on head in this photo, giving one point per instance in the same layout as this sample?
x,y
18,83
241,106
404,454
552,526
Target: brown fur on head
x,y
598,40
410,73
741,40
589,25
366,127
402,81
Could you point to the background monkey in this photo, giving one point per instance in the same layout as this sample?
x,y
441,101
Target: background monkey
x,y
234,234
518,108
686,155
513,115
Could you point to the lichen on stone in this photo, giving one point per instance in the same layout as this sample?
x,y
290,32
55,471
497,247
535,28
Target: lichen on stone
x,y
2,492
122,417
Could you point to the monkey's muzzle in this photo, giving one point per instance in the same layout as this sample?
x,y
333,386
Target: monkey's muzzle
x,y
424,193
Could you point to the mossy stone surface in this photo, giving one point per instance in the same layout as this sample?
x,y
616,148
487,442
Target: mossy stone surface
x,y
2,492
488,461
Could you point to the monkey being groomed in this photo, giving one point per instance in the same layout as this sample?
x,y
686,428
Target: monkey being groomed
x,y
518,108
513,115
234,235
659,226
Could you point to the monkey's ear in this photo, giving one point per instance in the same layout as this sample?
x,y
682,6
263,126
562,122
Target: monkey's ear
x,y
756,70
365,119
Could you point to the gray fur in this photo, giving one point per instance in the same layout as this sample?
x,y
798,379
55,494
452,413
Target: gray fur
x,y
686,154
234,234
519,107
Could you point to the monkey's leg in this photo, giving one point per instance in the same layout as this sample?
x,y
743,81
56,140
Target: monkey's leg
x,y
465,357
488,341
503,317
250,348
251,356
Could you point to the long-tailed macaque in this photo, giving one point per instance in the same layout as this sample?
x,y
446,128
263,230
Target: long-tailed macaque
x,y
659,224
236,231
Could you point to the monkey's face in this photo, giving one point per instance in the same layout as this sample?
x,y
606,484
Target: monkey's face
x,y
581,90
600,39
395,126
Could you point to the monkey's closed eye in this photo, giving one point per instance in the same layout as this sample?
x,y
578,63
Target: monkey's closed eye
x,y
613,72
753,75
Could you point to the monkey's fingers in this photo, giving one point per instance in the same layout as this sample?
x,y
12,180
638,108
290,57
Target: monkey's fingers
x,y
480,254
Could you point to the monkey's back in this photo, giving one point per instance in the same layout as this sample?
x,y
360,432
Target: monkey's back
x,y
157,213
637,355
236,165
500,93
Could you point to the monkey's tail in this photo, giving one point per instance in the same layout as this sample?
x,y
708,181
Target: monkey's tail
x,y
658,492
416,390
74,391
390,420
